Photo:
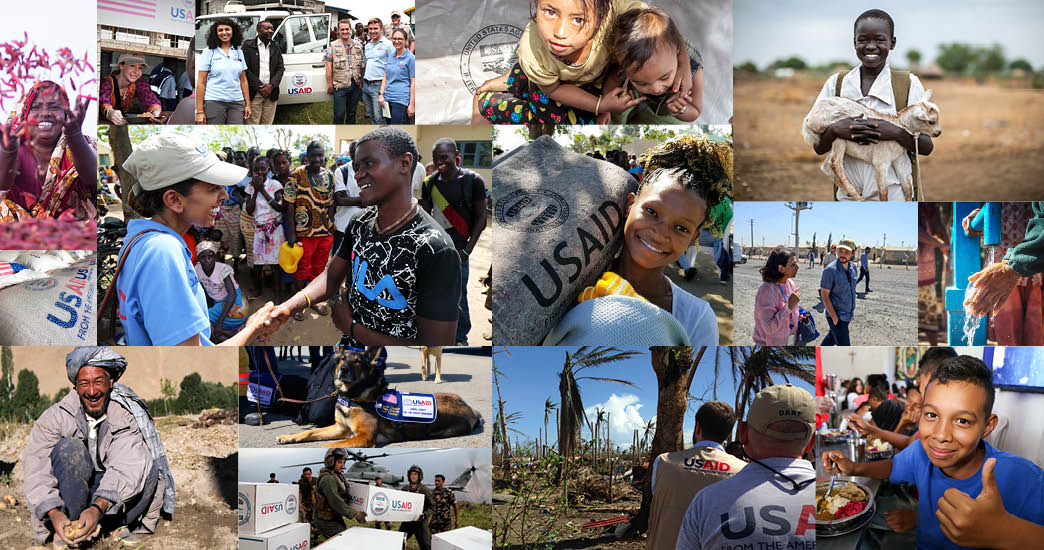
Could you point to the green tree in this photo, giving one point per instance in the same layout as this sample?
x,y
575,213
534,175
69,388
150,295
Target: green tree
x,y
747,67
169,392
26,404
794,62
913,57
1021,63
6,380
571,402
956,57
991,60
193,396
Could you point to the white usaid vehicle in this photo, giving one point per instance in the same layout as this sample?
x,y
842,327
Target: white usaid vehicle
x,y
303,38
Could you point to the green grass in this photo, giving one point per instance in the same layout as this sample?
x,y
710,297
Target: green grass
x,y
477,515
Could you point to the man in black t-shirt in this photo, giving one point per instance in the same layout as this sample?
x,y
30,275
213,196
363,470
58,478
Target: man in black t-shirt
x,y
400,268
456,198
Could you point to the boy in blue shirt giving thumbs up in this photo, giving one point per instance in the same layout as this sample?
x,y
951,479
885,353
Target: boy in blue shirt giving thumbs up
x,y
971,494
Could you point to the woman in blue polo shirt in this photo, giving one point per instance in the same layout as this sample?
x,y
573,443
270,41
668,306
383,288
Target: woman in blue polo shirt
x,y
160,299
397,85
221,87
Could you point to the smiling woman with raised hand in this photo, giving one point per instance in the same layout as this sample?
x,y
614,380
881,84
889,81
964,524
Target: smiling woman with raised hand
x,y
180,184
222,89
405,272
124,92
42,154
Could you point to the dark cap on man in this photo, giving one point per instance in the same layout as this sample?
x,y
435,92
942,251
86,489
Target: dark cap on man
x,y
782,402
95,356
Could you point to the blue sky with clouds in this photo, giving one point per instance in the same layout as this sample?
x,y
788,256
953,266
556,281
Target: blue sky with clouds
x,y
531,376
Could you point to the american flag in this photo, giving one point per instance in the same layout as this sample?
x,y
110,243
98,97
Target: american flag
x,y
8,268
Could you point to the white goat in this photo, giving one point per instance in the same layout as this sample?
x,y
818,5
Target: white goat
x,y
920,118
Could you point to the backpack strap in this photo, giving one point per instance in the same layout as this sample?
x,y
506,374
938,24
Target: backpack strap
x,y
900,88
837,87
116,274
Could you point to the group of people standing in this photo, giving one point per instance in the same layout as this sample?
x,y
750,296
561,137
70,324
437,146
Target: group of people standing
x,y
398,272
378,69
777,315
324,501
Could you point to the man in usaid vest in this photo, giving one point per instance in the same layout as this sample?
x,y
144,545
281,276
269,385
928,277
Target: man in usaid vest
x,y
769,503
681,474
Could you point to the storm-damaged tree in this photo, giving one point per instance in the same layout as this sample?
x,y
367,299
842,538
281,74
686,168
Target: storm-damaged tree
x,y
753,367
675,368
548,407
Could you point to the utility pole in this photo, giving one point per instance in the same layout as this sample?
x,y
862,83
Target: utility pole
x,y
884,249
797,207
752,233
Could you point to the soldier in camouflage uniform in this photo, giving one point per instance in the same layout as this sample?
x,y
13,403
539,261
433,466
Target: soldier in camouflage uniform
x,y
331,495
444,502
306,485
419,527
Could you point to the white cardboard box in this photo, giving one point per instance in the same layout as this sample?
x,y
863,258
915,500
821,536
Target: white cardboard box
x,y
384,504
265,506
465,538
356,538
288,537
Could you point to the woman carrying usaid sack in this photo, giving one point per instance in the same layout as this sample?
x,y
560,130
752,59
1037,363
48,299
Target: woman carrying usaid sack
x,y
180,184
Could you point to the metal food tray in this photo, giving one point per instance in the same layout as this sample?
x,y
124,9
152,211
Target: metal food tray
x,y
847,525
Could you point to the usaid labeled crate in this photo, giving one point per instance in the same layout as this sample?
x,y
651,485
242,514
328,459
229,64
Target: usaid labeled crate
x,y
265,506
356,538
465,538
288,537
384,504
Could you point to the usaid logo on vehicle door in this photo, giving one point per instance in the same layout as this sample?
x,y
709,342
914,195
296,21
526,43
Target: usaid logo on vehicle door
x,y
300,83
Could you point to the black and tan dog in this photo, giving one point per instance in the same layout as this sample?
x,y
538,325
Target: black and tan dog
x,y
360,382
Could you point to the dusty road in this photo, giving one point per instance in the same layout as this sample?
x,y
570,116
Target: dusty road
x,y
992,145
885,317
469,376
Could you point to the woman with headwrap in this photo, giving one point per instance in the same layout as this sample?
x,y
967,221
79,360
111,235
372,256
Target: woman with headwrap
x,y
687,187
226,308
42,154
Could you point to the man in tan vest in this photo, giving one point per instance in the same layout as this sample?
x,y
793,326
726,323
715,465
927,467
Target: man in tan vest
x,y
344,73
678,476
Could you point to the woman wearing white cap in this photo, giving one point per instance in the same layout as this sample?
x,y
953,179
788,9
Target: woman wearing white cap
x,y
180,184
125,92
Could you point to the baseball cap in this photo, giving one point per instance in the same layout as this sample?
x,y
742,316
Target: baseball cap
x,y
847,243
172,157
782,402
132,59
396,14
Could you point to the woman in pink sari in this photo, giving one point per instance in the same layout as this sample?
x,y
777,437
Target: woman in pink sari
x,y
42,154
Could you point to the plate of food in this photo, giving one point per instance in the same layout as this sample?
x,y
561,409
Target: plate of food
x,y
878,449
833,435
848,508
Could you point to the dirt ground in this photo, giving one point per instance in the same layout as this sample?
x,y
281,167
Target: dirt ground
x,y
706,285
572,536
885,317
203,462
991,147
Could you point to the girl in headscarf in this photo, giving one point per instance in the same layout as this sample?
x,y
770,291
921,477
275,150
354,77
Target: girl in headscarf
x,y
42,154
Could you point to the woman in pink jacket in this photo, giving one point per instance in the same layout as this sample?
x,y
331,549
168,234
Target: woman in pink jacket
x,y
775,306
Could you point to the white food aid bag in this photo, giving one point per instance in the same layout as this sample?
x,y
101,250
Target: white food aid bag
x,y
558,221
54,308
467,42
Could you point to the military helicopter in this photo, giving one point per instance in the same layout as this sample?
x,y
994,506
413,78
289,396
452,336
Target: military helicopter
x,y
363,470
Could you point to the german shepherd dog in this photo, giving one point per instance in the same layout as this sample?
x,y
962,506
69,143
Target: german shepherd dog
x,y
428,353
359,381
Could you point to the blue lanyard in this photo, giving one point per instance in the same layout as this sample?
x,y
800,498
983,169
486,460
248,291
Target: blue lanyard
x,y
786,299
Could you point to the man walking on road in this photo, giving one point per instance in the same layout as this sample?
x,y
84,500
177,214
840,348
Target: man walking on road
x,y
837,289
864,269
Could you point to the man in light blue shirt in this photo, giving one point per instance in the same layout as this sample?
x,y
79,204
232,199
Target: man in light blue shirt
x,y
864,269
377,50
837,290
